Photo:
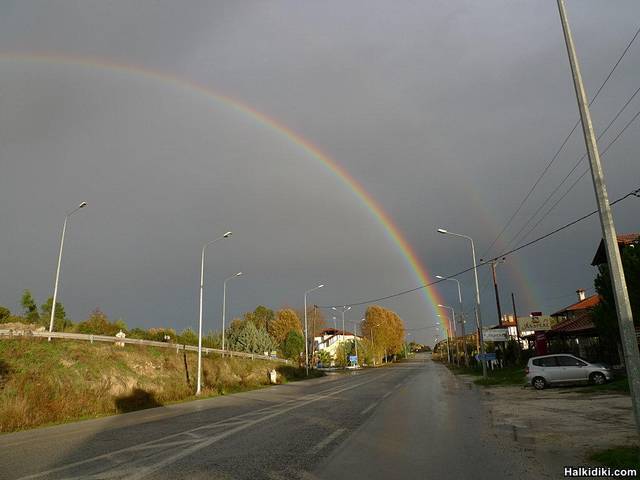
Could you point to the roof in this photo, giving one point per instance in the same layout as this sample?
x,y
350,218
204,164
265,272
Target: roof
x,y
581,324
586,304
624,239
334,331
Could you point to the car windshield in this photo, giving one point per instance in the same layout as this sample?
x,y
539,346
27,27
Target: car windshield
x,y
319,239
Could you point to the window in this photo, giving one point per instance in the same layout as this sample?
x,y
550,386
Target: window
x,y
545,362
567,361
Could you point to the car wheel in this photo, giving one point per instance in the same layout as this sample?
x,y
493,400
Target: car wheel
x,y
597,378
539,383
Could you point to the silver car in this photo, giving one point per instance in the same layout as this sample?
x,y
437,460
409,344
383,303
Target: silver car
x,y
565,368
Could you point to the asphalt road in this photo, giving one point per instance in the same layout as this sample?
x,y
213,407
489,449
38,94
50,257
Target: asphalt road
x,y
409,420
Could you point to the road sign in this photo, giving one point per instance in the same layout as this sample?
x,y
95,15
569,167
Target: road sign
x,y
487,357
537,323
353,359
495,335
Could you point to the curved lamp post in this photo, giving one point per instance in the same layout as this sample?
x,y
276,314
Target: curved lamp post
x,y
55,287
224,304
204,247
306,335
475,274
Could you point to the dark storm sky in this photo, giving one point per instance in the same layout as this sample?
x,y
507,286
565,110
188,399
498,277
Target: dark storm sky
x,y
446,112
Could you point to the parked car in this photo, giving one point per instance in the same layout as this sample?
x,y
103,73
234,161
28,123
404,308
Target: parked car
x,y
565,368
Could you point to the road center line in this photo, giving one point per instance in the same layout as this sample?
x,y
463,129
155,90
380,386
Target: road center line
x,y
370,407
325,441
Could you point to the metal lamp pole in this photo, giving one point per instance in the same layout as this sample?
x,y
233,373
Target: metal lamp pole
x,y
204,247
464,345
451,320
224,304
475,275
448,336
55,287
306,335
343,310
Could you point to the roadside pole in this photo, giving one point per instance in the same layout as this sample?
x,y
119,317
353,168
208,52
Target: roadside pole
x,y
621,296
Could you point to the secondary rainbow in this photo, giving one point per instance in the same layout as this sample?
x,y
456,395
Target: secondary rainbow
x,y
392,231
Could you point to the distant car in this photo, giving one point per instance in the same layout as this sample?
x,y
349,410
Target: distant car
x,y
565,368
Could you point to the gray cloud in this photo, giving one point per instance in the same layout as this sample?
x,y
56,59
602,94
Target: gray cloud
x,y
446,112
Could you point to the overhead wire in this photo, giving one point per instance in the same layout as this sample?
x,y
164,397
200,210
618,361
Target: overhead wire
x,y
634,193
566,139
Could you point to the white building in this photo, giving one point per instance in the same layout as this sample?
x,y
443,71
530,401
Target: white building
x,y
330,338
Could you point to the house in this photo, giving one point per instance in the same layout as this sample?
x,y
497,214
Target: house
x,y
575,331
625,240
330,338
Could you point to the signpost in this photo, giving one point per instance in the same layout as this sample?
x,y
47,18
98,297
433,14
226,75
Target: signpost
x,y
496,335
535,323
486,357
353,359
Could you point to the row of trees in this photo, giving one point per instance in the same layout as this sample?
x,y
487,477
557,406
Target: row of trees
x,y
259,331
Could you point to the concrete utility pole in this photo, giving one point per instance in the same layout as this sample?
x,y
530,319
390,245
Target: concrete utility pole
x,y
306,333
494,264
515,316
623,307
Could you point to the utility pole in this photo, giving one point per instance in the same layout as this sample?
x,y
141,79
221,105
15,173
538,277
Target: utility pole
x,y
621,296
495,288
515,316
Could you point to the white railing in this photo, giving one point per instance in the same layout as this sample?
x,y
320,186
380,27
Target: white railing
x,y
134,341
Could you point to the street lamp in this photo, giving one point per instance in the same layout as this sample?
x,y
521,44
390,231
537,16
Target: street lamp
x,y
55,287
224,303
478,318
306,335
447,332
464,345
453,318
343,310
204,247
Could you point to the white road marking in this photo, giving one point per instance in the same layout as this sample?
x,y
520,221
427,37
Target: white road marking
x,y
325,441
370,407
145,471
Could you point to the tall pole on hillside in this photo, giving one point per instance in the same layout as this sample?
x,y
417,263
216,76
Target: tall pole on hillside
x,y
55,287
204,247
621,296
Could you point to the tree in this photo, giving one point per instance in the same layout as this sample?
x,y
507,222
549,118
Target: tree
x,y
188,337
60,320
97,324
315,320
387,330
243,336
293,345
604,314
285,321
5,314
30,308
261,317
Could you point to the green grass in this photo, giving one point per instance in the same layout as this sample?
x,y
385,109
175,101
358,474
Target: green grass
x,y
618,457
501,376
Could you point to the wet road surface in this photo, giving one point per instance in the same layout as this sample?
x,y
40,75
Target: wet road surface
x,y
408,420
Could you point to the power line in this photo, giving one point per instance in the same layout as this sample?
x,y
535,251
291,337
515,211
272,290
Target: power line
x,y
517,237
577,180
634,193
555,156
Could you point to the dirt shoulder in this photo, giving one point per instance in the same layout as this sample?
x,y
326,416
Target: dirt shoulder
x,y
563,426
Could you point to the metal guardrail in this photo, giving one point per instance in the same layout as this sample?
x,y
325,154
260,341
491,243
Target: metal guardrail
x,y
135,341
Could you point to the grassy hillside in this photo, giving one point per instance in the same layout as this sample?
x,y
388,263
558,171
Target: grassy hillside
x,y
49,382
